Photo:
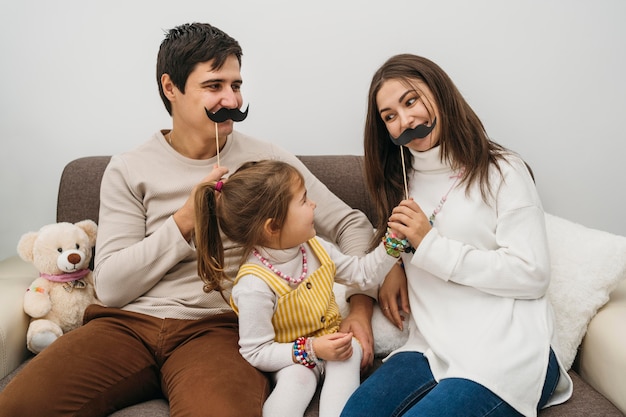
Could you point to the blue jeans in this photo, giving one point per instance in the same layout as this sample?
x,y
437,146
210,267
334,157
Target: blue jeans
x,y
405,386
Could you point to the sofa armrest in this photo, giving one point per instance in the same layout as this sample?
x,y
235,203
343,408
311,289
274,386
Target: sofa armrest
x,y
603,350
15,277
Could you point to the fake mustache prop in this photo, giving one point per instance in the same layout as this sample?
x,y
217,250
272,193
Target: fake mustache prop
x,y
224,114
408,135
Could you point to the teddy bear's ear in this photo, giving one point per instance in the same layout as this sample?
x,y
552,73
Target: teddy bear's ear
x,y
90,227
26,244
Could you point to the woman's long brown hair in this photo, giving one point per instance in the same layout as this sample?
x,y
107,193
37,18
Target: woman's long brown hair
x,y
463,140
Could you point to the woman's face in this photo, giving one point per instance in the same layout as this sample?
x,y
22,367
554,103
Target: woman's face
x,y
403,106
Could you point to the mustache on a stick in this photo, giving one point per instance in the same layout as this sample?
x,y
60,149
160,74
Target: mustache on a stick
x,y
224,114
408,135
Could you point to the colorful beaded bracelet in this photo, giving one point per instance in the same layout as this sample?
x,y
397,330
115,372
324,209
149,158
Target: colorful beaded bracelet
x,y
395,246
311,352
301,354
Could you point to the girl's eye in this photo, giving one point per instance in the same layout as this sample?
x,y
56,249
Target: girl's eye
x,y
389,117
411,101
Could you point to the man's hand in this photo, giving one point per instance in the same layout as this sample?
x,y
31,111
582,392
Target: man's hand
x,y
185,216
359,323
394,289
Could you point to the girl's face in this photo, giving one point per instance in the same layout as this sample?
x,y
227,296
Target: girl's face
x,y
299,226
404,107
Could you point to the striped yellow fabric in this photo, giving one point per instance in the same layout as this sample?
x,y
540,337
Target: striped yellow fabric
x,y
309,309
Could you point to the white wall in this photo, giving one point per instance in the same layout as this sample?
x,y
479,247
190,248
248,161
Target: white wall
x,y
546,77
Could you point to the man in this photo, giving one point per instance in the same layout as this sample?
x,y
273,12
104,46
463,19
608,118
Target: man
x,y
160,334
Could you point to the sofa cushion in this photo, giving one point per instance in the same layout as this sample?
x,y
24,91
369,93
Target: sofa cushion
x,y
587,264
602,357
13,332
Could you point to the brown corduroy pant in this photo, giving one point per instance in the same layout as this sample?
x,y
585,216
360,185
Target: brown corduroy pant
x,y
119,358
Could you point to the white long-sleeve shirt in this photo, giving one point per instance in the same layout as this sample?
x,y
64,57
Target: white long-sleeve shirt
x,y
477,283
143,263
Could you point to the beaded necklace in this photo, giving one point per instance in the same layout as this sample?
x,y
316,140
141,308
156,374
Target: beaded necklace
x,y
281,274
437,209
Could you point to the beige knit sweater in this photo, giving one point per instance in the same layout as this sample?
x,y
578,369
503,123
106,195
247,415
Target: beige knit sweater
x,y
143,263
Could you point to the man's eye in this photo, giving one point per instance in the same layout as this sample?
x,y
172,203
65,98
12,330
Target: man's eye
x,y
236,88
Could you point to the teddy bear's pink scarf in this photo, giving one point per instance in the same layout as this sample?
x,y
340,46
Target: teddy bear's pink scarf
x,y
70,276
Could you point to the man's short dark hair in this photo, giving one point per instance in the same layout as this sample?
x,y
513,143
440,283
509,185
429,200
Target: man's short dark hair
x,y
187,45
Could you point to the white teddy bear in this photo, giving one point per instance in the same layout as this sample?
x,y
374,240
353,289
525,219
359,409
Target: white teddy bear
x,y
56,300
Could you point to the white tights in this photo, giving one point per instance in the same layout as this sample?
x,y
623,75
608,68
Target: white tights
x,y
296,385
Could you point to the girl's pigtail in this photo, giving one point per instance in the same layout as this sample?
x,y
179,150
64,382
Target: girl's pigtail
x,y
209,245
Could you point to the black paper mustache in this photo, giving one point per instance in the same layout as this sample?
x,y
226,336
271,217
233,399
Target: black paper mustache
x,y
408,135
224,114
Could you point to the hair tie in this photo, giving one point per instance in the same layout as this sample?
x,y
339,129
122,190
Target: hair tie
x,y
218,186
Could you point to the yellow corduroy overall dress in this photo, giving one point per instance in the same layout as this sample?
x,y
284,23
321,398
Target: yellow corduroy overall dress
x,y
309,309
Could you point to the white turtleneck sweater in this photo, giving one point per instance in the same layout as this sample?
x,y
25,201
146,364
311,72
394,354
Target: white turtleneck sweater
x,y
478,280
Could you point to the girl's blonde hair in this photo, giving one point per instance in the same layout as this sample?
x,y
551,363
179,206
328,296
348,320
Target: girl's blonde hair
x,y
256,192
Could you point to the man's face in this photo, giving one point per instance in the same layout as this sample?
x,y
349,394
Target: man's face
x,y
211,89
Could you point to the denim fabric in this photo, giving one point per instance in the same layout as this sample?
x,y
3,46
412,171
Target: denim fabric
x,y
405,386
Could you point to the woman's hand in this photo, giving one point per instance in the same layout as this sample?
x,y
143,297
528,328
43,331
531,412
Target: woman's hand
x,y
407,219
333,347
392,290
185,216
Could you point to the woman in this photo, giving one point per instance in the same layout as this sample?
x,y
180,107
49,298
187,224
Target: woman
x,y
481,330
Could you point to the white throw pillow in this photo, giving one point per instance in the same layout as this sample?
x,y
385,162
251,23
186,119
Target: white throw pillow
x,y
587,264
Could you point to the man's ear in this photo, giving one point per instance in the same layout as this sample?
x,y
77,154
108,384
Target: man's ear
x,y
169,89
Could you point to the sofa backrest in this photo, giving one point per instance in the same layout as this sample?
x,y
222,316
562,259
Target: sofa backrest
x,y
79,188
344,176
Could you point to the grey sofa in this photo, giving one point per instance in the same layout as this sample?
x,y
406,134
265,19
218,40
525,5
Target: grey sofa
x,y
78,199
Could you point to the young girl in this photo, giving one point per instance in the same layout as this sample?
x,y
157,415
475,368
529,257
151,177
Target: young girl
x,y
481,332
283,293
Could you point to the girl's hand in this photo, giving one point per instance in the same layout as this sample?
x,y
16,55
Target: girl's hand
x,y
409,221
393,296
359,323
333,347
185,216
